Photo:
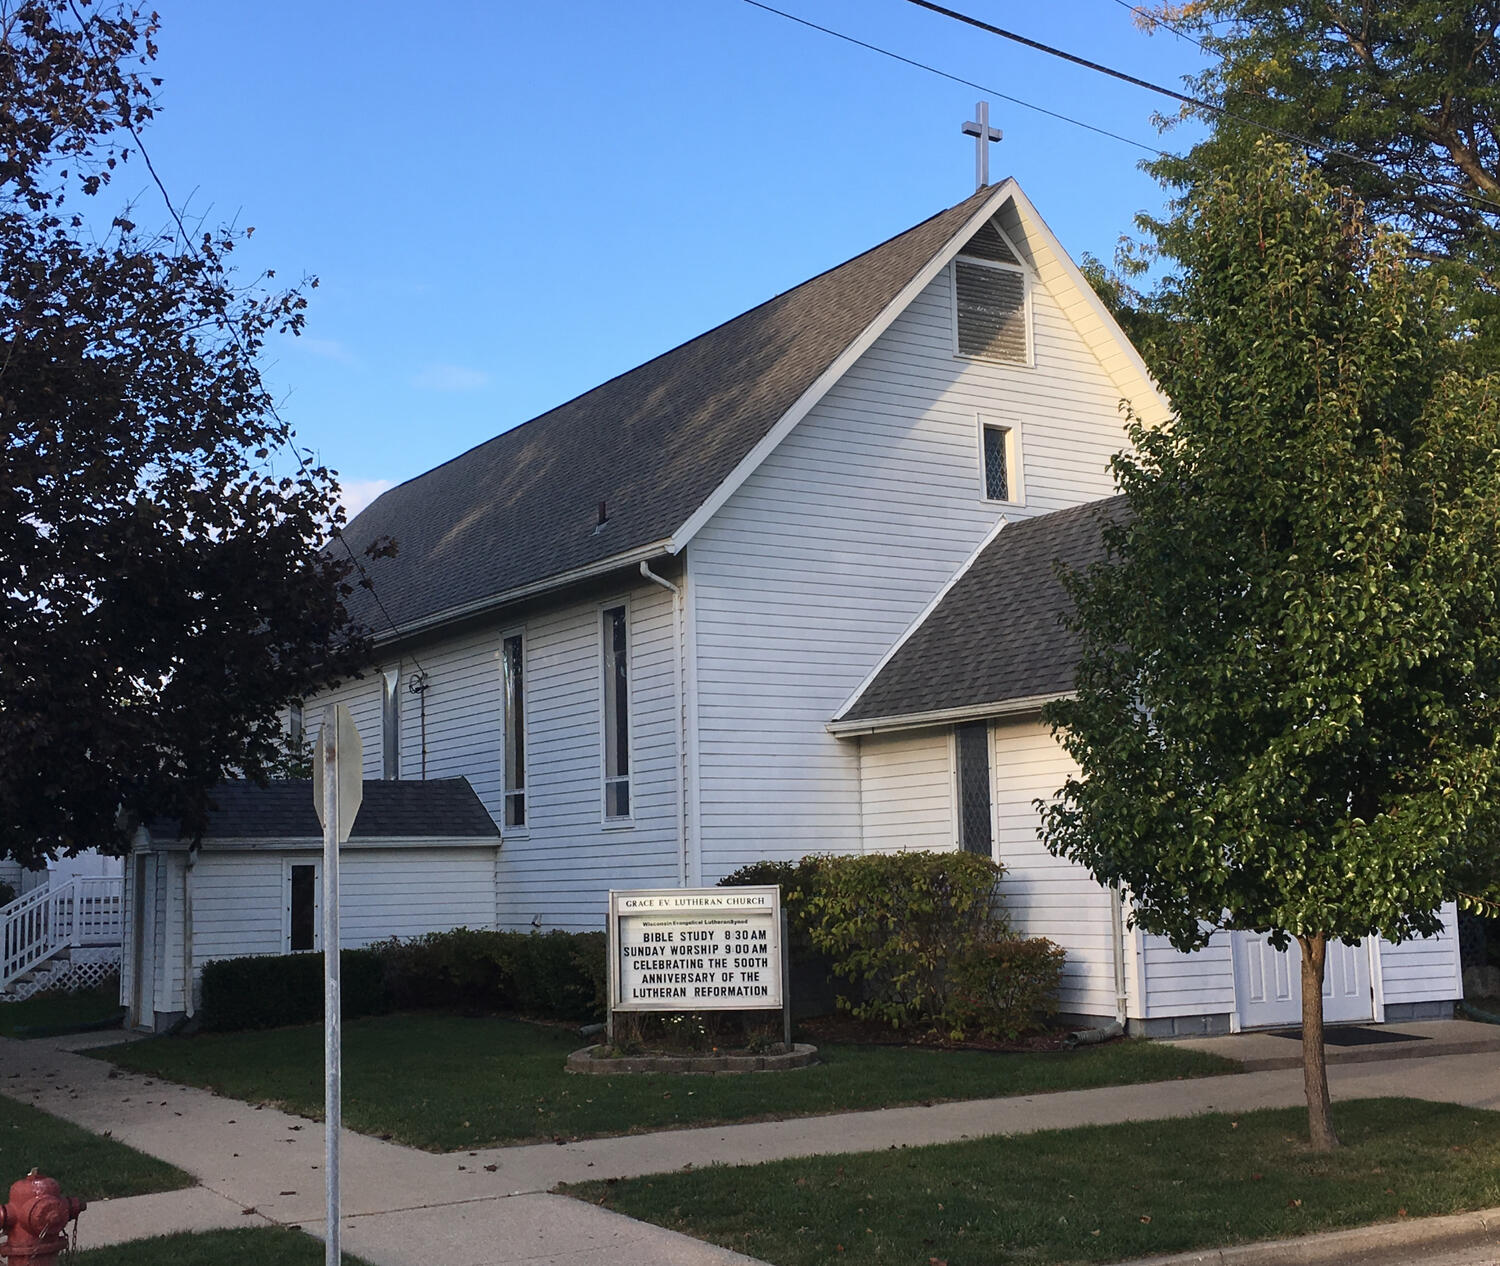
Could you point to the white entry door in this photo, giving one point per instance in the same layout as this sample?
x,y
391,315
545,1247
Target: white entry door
x,y
1268,982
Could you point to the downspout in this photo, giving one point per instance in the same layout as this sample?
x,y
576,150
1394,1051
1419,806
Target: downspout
x,y
1108,1032
1117,938
678,645
187,931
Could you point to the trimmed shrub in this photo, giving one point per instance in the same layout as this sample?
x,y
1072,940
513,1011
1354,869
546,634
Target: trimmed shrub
x,y
556,975
810,973
550,975
267,991
892,922
797,880
1004,987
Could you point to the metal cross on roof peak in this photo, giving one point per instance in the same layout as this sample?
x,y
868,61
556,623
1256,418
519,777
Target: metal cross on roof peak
x,y
979,128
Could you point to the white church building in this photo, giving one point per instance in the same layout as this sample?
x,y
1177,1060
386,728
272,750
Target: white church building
x,y
787,588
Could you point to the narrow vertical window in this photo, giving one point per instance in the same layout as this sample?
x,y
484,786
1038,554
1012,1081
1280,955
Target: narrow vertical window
x,y
616,715
974,788
390,725
997,475
512,666
296,728
302,908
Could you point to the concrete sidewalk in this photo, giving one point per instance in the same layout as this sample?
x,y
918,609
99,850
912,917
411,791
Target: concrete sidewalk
x,y
488,1207
1424,1039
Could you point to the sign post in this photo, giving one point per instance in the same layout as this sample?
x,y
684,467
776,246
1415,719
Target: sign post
x,y
338,788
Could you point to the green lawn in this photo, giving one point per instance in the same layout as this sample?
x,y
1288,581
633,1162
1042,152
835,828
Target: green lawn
x,y
445,1083
88,1165
249,1246
1087,1195
53,1013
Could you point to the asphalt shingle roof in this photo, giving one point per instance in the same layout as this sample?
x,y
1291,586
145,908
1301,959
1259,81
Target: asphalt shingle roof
x,y
441,808
997,634
652,444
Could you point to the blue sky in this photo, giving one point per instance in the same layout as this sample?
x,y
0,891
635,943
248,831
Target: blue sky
x,y
508,203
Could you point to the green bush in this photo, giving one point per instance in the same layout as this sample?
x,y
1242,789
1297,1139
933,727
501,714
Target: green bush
x,y
556,975
268,991
552,974
892,922
463,969
797,880
1004,987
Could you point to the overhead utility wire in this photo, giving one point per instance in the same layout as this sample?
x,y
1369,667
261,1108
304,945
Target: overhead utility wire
x,y
958,79
187,240
1196,102
1058,52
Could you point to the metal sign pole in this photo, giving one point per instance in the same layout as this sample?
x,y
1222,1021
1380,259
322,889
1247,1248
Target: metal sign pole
x,y
786,988
332,1038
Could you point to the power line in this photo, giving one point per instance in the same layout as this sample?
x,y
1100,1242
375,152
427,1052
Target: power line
x,y
1066,56
368,582
958,79
1197,103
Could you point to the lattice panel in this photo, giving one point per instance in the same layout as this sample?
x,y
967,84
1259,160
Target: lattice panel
x,y
68,976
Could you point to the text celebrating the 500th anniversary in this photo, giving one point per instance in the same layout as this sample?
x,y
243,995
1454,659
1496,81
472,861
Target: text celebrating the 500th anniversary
x,y
696,949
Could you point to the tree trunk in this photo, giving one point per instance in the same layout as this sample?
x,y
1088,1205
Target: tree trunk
x,y
1314,1060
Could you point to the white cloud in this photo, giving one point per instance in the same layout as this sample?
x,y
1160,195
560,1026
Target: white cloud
x,y
329,349
451,378
356,494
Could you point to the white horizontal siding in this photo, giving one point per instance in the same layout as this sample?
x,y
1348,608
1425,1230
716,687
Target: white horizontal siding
x,y
387,892
1425,969
559,870
1046,895
1200,983
238,904
451,729
362,696
239,898
825,555
906,790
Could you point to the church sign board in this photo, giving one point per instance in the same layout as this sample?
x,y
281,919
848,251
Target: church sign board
x,y
696,949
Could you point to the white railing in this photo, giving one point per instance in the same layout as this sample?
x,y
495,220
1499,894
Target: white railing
x,y
46,921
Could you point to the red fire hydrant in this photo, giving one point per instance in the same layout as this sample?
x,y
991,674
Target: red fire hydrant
x,y
33,1220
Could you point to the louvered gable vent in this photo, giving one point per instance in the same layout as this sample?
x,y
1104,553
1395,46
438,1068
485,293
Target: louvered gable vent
x,y
990,299
991,312
988,244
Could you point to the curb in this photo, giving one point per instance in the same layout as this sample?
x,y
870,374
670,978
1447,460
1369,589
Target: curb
x,y
1367,1245
1372,1054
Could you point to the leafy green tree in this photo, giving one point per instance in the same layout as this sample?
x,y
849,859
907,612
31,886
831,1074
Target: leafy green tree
x,y
1400,102
163,590
1287,715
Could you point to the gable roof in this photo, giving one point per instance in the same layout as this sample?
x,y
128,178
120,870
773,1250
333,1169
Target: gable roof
x,y
443,808
652,444
995,642
663,445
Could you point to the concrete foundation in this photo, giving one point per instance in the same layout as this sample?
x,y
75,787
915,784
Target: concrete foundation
x,y
1181,1026
1403,1012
